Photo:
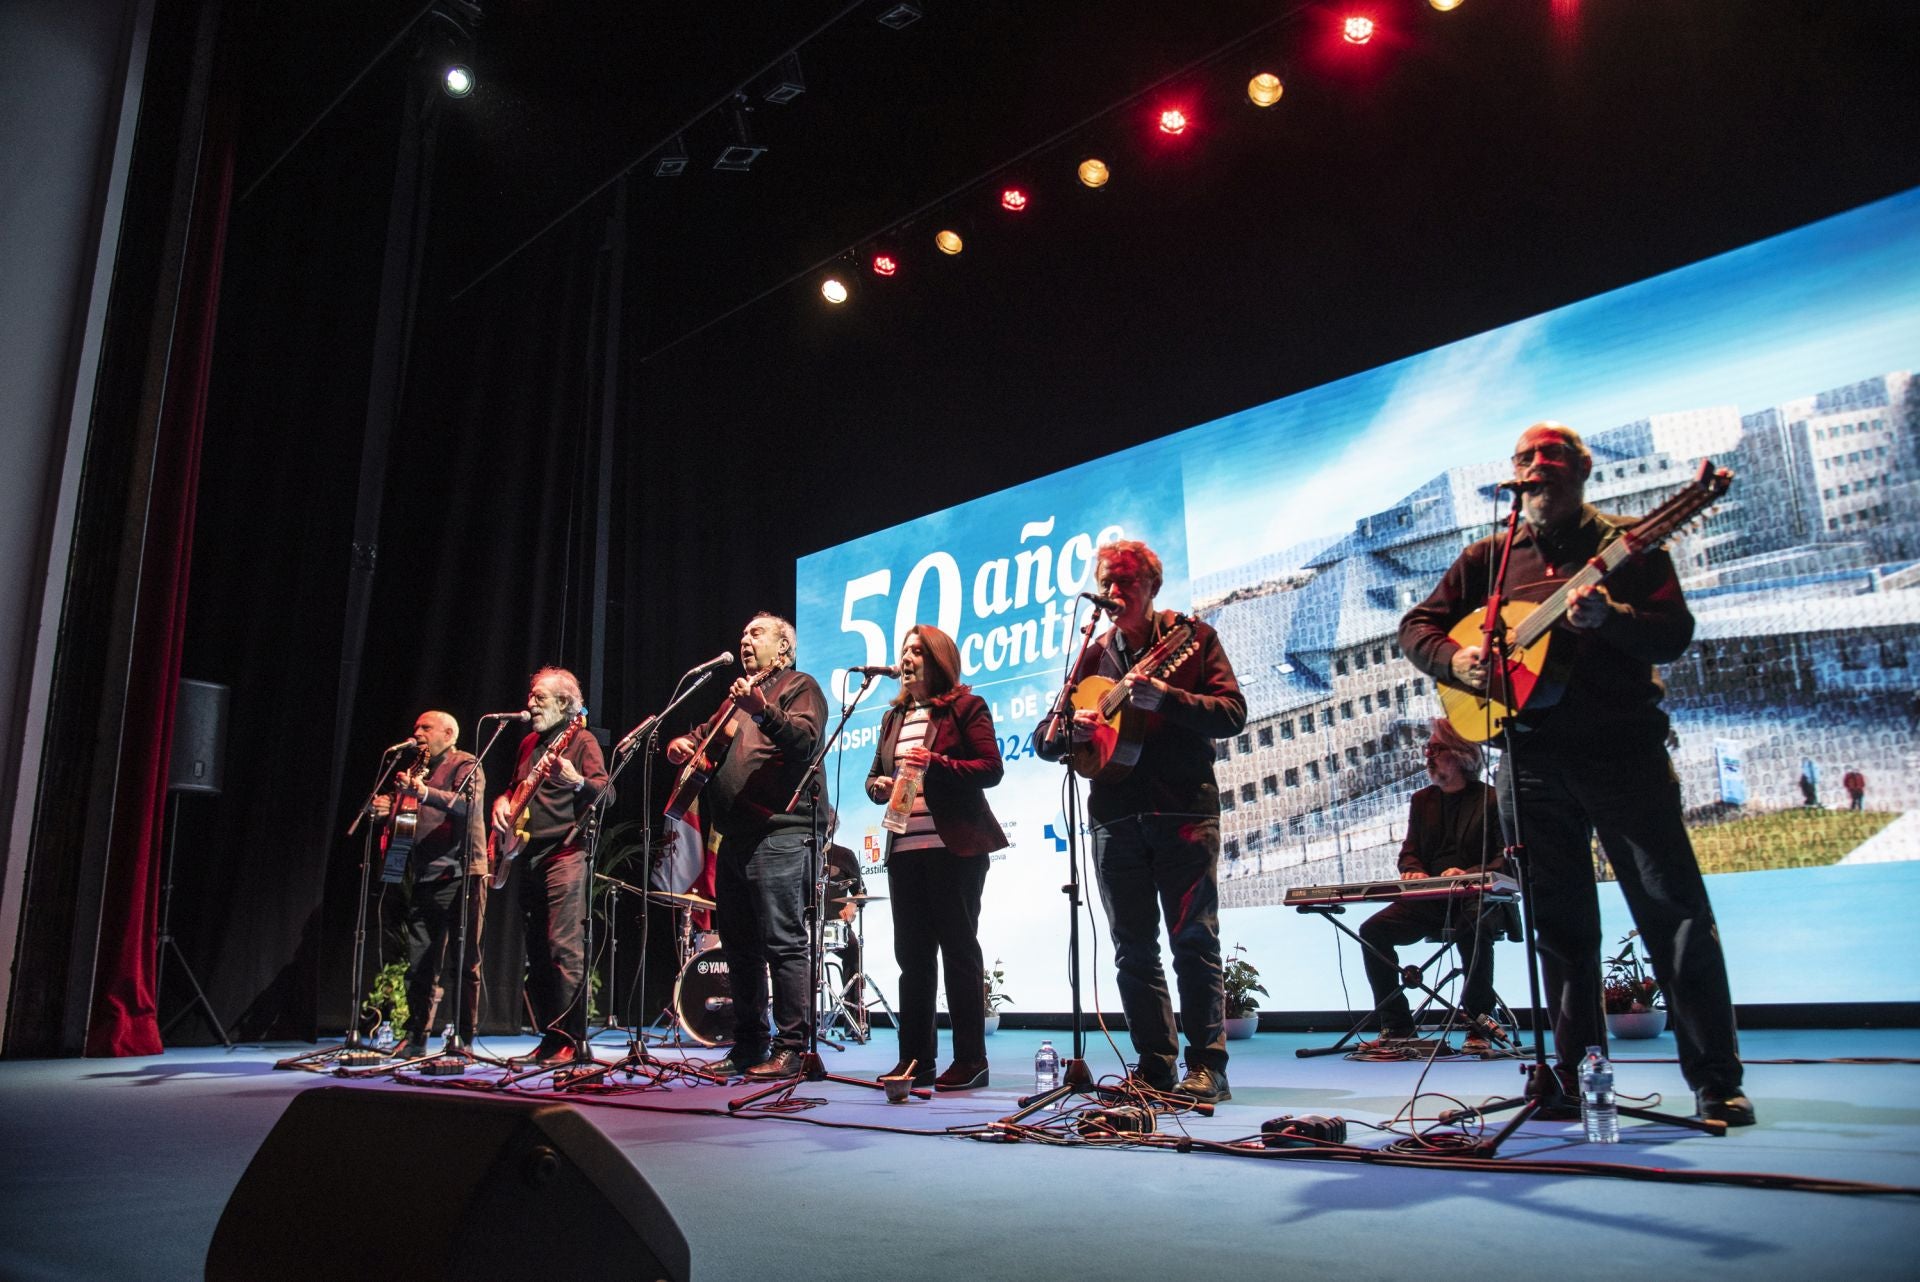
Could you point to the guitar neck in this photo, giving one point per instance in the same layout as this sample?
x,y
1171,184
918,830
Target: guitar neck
x,y
1549,612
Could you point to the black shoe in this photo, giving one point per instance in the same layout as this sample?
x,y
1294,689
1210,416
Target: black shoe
x,y
734,1065
548,1048
413,1046
921,1076
1204,1085
1557,1103
1731,1107
962,1077
780,1064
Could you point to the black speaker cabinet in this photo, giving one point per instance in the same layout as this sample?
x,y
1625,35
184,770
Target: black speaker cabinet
x,y
199,737
377,1182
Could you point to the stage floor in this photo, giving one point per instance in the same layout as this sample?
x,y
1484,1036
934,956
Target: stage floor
x,y
120,1168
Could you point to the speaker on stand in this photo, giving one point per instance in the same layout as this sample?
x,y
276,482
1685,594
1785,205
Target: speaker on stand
x,y
194,766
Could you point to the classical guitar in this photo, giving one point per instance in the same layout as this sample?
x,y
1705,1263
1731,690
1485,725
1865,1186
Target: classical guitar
x,y
701,765
503,847
1109,754
1530,677
403,822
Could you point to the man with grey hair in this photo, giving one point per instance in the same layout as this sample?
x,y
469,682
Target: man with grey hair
x,y
446,867
553,865
1594,759
777,715
1453,827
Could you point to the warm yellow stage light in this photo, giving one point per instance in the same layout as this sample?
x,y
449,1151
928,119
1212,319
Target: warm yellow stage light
x,y
1445,6
1093,172
948,241
1264,89
834,290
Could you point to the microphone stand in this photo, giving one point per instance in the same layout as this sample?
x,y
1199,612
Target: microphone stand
x,y
813,1069
641,742
1544,1091
352,1051
1075,1077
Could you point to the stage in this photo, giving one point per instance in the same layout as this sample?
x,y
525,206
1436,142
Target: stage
x,y
120,1169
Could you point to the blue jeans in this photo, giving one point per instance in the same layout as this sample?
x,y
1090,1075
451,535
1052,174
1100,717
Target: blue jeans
x,y
760,889
1147,865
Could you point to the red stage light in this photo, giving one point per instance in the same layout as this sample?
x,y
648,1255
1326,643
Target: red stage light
x,y
884,265
1173,121
1357,30
1013,200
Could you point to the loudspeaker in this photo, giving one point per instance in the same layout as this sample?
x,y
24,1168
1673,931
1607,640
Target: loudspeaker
x,y
199,737
378,1182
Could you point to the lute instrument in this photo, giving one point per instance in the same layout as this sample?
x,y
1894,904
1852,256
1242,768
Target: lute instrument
x,y
1109,754
504,846
1531,677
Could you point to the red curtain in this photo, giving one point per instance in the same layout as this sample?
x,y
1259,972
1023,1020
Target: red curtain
x,y
124,1016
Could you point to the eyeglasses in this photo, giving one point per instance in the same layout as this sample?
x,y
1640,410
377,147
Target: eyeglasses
x,y
556,700
1556,451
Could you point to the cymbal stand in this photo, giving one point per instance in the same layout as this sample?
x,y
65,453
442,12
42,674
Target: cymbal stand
x,y
812,1069
850,1007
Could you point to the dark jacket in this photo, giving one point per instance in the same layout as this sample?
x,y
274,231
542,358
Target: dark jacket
x,y
555,807
1174,774
1451,830
765,763
436,834
965,762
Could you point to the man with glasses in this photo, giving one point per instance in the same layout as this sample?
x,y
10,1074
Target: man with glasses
x,y
1596,761
1452,829
1156,832
553,866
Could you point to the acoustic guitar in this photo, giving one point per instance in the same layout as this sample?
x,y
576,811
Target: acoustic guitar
x,y
504,847
403,823
1532,677
700,766
1109,755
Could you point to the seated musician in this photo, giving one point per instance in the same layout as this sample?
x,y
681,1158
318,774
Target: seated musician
x,y
1453,827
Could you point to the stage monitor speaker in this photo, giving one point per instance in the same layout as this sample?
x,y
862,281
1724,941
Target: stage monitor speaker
x,y
199,737
377,1182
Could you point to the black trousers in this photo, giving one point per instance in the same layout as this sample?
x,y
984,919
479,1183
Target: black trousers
x,y
1631,798
760,889
553,903
1410,921
433,941
1147,865
936,925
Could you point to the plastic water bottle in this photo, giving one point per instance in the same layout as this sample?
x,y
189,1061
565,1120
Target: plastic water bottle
x,y
1046,1068
1597,1108
383,1037
906,786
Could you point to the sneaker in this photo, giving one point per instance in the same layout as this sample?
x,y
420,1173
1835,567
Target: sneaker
x,y
1731,1107
962,1077
1204,1085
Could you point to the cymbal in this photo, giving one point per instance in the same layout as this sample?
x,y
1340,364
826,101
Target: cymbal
x,y
860,899
669,899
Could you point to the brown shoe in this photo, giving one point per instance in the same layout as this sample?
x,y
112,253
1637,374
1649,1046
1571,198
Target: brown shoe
x,y
962,1077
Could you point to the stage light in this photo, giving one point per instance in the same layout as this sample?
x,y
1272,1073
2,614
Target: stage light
x,y
458,81
1264,89
738,156
901,15
1173,121
1357,30
1445,6
673,159
785,83
1093,172
1013,200
885,264
834,290
948,241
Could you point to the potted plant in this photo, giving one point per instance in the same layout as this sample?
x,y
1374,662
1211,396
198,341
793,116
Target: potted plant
x,y
1632,994
1241,981
386,1002
996,996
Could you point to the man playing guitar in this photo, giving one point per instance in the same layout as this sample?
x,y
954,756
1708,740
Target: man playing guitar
x,y
553,872
1596,759
1156,827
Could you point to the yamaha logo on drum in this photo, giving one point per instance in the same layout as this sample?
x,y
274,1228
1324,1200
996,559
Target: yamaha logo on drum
x,y
711,966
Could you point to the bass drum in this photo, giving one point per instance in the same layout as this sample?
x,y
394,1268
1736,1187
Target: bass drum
x,y
703,998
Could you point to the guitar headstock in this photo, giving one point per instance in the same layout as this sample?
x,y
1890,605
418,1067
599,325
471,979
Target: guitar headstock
x,y
1701,493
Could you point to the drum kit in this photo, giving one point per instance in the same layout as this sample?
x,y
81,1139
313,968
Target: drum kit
x,y
701,1011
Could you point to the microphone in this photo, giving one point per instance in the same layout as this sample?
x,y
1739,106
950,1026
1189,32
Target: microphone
x,y
1518,486
714,664
408,742
1106,603
877,669
522,715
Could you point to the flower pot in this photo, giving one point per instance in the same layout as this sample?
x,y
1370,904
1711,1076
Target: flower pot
x,y
1241,1028
993,1025
1631,1025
